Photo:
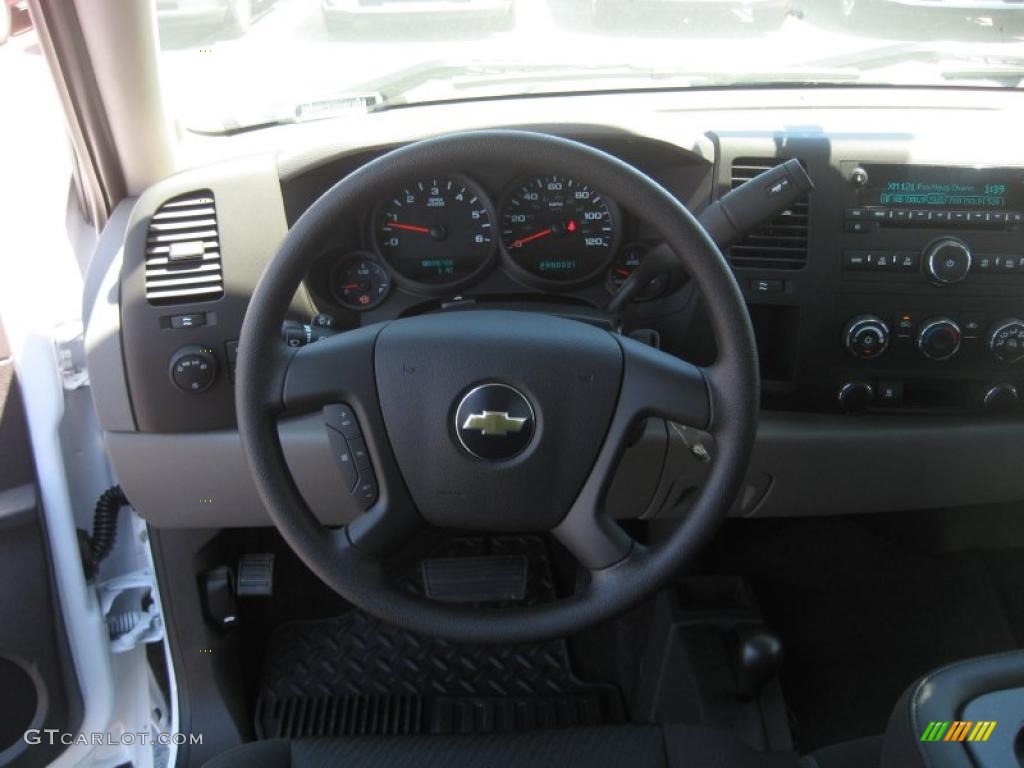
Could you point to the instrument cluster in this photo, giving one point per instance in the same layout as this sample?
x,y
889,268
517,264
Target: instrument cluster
x,y
440,235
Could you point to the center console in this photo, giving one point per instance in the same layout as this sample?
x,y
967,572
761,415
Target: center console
x,y
928,313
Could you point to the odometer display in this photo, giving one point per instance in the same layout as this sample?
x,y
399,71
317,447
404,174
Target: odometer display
x,y
436,232
557,229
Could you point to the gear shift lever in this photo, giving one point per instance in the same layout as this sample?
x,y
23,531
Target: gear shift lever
x,y
758,659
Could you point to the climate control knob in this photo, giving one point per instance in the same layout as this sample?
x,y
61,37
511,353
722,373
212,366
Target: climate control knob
x,y
1006,340
947,260
939,338
999,398
855,396
866,336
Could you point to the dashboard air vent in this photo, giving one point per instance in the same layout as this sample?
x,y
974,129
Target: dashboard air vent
x,y
183,251
780,243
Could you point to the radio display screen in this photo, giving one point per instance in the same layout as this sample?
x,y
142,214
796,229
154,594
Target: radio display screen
x,y
935,187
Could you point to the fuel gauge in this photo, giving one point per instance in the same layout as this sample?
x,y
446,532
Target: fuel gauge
x,y
360,282
626,261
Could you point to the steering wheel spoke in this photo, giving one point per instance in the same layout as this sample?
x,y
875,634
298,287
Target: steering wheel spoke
x,y
655,383
336,369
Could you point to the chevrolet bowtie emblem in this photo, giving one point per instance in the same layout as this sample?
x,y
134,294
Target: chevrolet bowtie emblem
x,y
495,423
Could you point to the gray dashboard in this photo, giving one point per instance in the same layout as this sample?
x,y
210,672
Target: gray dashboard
x,y
177,453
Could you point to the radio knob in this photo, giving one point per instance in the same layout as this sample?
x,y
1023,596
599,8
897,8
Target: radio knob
x,y
939,338
855,396
999,398
866,336
947,260
1006,341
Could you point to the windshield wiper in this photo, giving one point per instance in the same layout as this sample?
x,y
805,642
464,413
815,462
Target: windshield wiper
x,y
1001,63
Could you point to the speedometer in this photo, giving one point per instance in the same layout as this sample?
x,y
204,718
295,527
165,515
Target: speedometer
x,y
557,230
436,232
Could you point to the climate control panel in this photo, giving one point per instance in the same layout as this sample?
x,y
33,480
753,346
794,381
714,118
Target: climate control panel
x,y
914,354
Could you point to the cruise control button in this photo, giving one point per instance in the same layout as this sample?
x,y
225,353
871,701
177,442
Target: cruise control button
x,y
343,419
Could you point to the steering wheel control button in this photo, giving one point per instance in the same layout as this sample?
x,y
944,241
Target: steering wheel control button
x,y
494,422
947,260
359,454
351,454
366,489
344,459
939,338
193,369
866,337
342,418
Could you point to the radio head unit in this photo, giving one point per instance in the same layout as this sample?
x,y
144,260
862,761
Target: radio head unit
x,y
939,194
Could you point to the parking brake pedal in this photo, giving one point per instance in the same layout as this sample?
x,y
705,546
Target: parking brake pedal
x,y
255,575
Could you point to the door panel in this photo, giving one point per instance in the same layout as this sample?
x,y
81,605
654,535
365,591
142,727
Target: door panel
x,y
38,686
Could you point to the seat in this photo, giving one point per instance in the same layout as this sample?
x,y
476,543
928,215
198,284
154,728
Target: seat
x,y
989,688
635,746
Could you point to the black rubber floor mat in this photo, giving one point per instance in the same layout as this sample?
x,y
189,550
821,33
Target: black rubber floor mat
x,y
354,675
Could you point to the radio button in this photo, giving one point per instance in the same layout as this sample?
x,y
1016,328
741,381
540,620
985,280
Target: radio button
x,y
983,263
997,217
906,261
879,214
1006,264
958,217
947,260
856,213
859,227
919,216
857,261
1015,217
942,216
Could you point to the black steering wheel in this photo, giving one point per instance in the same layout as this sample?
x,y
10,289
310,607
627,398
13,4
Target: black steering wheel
x,y
495,421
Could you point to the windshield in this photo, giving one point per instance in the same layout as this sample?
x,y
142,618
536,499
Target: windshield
x,y
230,65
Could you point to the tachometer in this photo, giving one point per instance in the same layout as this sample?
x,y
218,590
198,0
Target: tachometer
x,y
557,230
436,232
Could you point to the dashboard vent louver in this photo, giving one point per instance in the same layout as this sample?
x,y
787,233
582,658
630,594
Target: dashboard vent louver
x,y
780,243
183,251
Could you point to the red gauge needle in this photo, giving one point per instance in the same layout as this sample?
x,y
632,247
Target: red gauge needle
x,y
535,236
408,227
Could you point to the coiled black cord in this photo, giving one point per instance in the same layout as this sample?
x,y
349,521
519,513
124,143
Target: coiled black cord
x,y
97,547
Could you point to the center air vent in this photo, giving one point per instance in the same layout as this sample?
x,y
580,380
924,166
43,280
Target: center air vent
x,y
781,242
183,251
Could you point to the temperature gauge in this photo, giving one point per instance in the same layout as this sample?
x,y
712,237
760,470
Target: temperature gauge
x,y
360,282
627,260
